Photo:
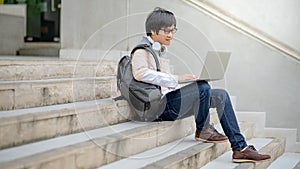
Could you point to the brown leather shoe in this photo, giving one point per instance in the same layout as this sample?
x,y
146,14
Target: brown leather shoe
x,y
210,135
248,155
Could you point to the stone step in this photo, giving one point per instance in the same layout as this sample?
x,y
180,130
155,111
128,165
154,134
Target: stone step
x,y
39,52
33,69
182,153
161,156
259,118
287,161
24,126
96,147
271,146
297,166
36,93
37,68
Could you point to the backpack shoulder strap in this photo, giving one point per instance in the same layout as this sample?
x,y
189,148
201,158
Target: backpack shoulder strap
x,y
149,49
119,98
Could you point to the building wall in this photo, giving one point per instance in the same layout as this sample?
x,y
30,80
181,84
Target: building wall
x,y
262,78
92,25
12,28
280,18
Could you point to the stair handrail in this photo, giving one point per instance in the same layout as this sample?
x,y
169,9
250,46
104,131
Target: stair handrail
x,y
243,27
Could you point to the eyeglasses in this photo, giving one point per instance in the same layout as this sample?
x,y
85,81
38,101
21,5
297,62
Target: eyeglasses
x,y
167,31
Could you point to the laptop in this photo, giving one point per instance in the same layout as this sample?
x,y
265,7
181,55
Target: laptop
x,y
214,67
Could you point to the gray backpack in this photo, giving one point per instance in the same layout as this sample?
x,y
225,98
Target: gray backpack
x,y
144,98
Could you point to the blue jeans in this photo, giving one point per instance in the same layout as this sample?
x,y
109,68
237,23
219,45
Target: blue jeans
x,y
196,99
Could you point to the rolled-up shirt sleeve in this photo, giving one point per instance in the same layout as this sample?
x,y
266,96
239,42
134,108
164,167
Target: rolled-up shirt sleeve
x,y
144,70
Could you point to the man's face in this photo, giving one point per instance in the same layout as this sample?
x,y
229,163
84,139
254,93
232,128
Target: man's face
x,y
164,36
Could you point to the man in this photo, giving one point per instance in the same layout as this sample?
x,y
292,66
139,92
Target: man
x,y
192,99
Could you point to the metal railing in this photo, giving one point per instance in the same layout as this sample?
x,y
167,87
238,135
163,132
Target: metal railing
x,y
243,27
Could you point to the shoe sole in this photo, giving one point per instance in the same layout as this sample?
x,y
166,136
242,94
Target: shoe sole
x,y
248,161
207,141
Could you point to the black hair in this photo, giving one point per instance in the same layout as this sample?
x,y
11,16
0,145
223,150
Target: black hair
x,y
159,18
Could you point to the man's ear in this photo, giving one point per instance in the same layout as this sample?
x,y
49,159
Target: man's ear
x,y
153,32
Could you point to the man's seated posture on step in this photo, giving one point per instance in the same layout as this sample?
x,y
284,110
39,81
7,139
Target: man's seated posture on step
x,y
192,99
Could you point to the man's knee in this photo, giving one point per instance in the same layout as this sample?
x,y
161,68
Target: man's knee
x,y
220,94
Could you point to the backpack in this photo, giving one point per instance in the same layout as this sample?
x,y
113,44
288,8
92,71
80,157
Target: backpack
x,y
143,98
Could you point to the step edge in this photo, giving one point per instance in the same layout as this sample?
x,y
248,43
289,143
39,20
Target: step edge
x,y
12,116
280,142
94,135
85,135
190,151
59,80
247,125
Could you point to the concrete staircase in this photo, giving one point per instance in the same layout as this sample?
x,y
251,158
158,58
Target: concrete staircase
x,y
50,49
60,114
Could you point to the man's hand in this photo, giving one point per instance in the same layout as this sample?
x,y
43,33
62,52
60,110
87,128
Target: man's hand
x,y
185,77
